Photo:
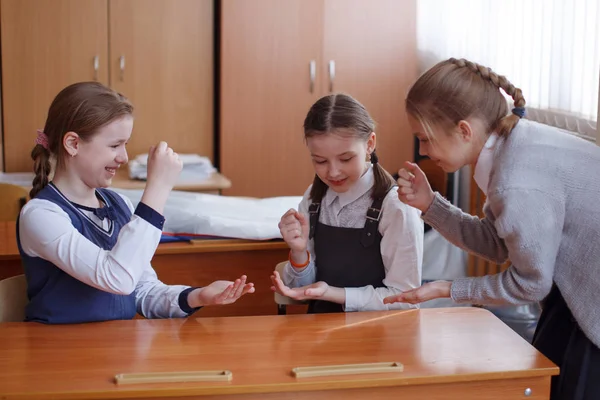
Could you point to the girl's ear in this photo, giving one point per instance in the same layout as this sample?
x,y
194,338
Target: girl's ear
x,y
465,130
371,143
71,143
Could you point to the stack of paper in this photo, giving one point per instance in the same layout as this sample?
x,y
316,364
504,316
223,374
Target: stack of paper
x,y
195,168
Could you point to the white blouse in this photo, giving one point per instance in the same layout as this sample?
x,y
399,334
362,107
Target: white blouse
x,y
46,231
401,246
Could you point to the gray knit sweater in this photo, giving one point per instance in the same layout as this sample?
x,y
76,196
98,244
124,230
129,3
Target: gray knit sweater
x,y
543,213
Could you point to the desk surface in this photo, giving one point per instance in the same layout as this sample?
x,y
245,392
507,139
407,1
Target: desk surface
x,y
121,180
10,251
214,183
435,346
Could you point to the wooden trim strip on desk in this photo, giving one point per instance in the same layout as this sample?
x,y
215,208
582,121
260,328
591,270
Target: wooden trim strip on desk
x,y
347,369
170,377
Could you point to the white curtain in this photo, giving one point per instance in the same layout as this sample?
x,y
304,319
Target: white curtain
x,y
548,48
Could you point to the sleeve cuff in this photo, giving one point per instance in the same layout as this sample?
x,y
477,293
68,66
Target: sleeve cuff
x,y
299,272
183,301
460,291
352,295
438,211
150,215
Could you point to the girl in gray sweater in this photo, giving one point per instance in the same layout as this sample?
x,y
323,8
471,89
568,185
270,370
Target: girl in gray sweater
x,y
542,212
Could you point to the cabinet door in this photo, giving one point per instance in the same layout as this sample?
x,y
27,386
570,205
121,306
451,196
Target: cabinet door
x,y
373,47
161,58
46,45
266,90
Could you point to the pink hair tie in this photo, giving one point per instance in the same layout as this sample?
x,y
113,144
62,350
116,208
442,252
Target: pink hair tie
x,y
42,139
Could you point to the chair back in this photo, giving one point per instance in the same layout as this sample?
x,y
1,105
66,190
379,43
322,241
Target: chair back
x,y
283,301
13,299
12,199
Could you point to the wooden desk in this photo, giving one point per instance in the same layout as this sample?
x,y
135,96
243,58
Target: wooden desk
x,y
196,264
214,184
457,353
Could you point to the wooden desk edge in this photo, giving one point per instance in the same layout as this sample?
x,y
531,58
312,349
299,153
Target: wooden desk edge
x,y
200,246
194,246
219,245
216,181
300,385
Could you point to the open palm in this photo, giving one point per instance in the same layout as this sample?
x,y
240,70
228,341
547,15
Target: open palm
x,y
225,292
429,291
309,292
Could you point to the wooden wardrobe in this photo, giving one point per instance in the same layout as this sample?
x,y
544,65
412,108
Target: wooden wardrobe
x,y
158,53
279,57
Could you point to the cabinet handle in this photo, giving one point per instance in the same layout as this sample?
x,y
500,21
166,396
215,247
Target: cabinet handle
x,y
312,70
122,67
331,74
96,67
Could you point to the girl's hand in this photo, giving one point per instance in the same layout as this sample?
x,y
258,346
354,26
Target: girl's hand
x,y
164,166
294,229
429,291
313,291
414,189
220,292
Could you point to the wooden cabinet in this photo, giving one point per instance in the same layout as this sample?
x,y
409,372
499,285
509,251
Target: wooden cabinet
x,y
161,57
46,45
373,46
364,48
267,50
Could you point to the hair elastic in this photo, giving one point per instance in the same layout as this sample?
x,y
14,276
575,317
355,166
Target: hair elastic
x,y
374,158
41,139
519,111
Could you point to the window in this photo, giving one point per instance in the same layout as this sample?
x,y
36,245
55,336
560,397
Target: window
x,y
548,48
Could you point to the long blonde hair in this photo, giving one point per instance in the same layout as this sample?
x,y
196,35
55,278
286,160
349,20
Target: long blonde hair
x,y
456,89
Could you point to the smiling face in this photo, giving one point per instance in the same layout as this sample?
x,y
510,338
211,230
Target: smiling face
x,y
460,103
97,159
450,148
339,158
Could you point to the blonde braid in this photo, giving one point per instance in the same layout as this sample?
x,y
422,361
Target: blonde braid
x,y
506,124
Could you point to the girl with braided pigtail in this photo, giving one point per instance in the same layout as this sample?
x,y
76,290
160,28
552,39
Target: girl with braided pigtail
x,y
85,250
352,242
541,212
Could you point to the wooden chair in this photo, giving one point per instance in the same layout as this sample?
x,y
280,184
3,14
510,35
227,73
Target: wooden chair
x,y
13,299
283,301
12,199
